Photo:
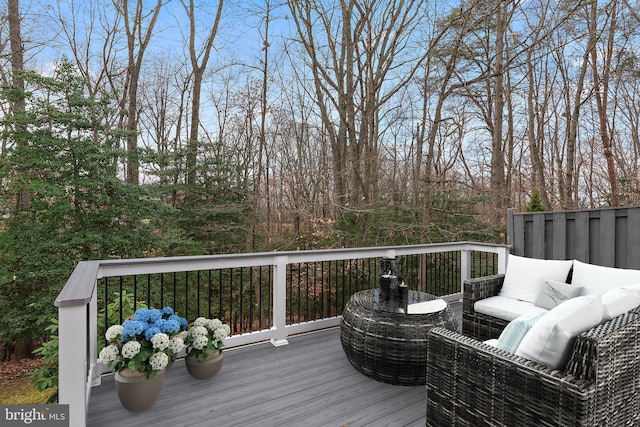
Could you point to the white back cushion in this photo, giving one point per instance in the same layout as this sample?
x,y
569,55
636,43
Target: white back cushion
x,y
597,279
550,340
524,276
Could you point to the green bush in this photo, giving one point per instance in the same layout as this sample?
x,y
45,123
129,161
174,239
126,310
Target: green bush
x,y
46,376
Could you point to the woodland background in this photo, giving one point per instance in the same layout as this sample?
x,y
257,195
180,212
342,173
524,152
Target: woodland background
x,y
137,128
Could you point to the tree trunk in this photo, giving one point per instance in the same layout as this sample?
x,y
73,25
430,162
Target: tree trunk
x,y
18,104
198,74
601,93
137,42
498,184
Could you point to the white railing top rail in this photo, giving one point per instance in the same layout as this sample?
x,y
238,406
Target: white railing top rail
x,y
77,302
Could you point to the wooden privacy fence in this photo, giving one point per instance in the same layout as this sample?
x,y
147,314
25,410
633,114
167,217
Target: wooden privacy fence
x,y
609,237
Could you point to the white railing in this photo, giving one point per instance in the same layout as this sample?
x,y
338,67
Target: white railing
x,y
77,303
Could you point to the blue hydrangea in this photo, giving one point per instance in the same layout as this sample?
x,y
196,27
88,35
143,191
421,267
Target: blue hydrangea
x,y
131,328
142,314
170,327
167,311
154,315
181,321
151,331
159,323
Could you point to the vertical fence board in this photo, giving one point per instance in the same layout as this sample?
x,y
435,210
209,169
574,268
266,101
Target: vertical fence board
x,y
581,241
607,238
510,227
633,236
518,238
537,241
559,236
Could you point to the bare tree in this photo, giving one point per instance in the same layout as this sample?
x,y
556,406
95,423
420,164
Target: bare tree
x,y
138,39
352,51
601,79
198,74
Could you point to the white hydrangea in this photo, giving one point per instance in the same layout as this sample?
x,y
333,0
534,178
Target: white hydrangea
x,y
200,321
158,361
130,349
220,333
197,331
227,329
160,341
213,324
175,344
113,332
200,342
109,354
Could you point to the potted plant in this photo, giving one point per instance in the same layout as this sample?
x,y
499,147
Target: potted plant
x,y
138,352
205,339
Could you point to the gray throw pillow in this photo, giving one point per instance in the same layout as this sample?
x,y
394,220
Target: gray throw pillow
x,y
552,293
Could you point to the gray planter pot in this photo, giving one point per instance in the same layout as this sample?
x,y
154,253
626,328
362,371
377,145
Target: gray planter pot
x,y
136,391
205,369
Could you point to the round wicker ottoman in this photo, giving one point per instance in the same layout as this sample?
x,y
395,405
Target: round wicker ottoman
x,y
388,342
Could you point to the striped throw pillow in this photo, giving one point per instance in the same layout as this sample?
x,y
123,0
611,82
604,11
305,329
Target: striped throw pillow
x,y
515,331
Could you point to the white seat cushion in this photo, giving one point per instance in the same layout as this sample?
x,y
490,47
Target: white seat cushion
x,y
506,308
550,340
524,276
597,279
516,330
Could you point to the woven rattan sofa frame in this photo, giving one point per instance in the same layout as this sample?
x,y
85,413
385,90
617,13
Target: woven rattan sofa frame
x,y
478,325
470,383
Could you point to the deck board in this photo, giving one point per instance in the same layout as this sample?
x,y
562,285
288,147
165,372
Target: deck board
x,y
306,383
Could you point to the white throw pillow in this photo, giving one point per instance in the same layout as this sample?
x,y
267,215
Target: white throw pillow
x,y
550,340
516,330
597,279
524,276
618,301
553,293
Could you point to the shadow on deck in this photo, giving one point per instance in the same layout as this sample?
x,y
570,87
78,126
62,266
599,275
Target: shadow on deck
x,y
306,383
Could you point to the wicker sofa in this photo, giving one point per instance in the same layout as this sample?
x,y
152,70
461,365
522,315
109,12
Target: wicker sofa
x,y
470,383
491,302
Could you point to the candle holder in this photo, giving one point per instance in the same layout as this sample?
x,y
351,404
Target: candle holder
x,y
388,266
387,285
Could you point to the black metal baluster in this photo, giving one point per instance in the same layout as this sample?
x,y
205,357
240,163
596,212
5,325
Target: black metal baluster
x,y
121,283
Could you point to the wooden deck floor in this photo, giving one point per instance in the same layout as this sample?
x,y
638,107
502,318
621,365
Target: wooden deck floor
x,y
307,383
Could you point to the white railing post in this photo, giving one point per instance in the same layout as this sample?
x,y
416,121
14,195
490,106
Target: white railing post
x,y
465,267
503,253
279,302
92,323
72,362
